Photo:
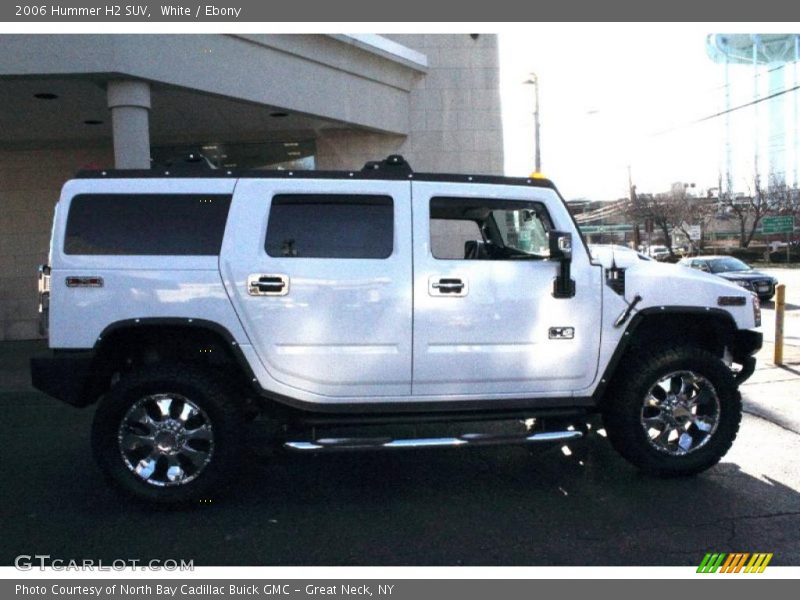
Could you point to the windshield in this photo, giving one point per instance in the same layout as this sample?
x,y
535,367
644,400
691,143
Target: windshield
x,y
727,265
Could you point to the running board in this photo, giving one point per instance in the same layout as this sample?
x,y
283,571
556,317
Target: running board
x,y
470,439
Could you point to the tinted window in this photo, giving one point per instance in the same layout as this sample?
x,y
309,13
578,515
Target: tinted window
x,y
450,237
330,226
727,265
146,224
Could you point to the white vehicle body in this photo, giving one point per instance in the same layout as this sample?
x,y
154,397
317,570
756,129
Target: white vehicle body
x,y
350,330
379,298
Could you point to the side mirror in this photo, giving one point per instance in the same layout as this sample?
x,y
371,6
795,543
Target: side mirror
x,y
560,243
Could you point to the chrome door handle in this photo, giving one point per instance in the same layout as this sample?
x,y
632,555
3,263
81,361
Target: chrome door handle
x,y
448,286
260,284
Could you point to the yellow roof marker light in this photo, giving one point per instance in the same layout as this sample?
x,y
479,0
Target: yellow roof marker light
x,y
537,175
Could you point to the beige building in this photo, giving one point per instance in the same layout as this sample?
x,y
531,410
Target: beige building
x,y
246,101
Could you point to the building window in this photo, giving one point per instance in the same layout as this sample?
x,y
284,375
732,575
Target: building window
x,y
488,229
146,224
330,226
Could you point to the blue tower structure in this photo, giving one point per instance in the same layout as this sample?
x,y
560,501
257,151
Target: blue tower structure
x,y
774,60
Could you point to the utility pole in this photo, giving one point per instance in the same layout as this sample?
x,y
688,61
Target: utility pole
x,y
756,41
637,240
796,122
630,183
534,81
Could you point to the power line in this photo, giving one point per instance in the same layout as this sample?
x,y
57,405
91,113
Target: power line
x,y
725,112
751,103
746,78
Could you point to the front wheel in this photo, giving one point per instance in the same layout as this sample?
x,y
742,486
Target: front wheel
x,y
168,434
673,412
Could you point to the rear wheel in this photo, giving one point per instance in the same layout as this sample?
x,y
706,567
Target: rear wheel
x,y
168,434
674,411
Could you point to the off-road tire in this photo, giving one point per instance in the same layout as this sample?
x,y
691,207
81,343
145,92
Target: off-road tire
x,y
205,390
622,409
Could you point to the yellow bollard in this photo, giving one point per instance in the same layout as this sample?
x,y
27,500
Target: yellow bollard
x,y
780,307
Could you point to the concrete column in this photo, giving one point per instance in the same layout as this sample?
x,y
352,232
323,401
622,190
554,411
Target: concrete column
x,y
129,102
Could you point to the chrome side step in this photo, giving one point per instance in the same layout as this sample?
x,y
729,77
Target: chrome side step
x,y
470,439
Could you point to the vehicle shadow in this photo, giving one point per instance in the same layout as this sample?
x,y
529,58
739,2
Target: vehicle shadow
x,y
788,368
490,506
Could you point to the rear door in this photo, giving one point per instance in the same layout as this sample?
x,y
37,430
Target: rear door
x,y
320,274
485,320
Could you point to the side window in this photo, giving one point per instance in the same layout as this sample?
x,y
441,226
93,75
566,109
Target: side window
x,y
488,229
146,224
450,237
330,226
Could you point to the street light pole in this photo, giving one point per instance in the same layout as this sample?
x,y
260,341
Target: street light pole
x,y
534,81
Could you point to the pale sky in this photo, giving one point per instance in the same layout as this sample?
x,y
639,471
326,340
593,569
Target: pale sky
x,y
613,96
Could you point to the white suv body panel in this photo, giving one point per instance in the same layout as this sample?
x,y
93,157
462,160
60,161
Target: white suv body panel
x,y
354,331
496,338
134,287
662,287
343,330
670,285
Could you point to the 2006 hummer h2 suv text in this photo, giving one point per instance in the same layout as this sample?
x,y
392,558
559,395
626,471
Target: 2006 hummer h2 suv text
x,y
338,309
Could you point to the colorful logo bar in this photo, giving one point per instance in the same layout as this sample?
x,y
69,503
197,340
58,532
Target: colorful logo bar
x,y
735,562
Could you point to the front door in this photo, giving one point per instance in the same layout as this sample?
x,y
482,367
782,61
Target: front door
x,y
486,322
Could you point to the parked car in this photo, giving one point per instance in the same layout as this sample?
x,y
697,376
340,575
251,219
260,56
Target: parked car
x,y
335,309
737,271
659,252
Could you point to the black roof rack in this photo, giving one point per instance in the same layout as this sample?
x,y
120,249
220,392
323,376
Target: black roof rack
x,y
394,167
393,162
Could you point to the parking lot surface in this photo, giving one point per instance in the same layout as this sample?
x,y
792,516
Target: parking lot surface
x,y
493,506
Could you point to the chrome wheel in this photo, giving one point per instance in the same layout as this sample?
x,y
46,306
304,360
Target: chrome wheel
x,y
680,414
166,439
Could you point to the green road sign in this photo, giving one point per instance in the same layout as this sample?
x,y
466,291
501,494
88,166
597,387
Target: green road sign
x,y
611,228
782,224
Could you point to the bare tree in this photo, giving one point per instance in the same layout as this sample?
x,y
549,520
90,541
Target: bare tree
x,y
785,200
693,210
775,199
660,209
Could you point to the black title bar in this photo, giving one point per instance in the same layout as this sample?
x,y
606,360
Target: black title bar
x,y
464,11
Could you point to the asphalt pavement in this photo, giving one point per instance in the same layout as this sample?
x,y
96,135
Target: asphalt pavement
x,y
489,506
773,392
791,279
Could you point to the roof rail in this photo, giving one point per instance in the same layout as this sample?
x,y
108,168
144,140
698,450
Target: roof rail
x,y
393,167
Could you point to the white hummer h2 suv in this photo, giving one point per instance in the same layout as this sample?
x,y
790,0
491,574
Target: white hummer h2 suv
x,y
339,308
